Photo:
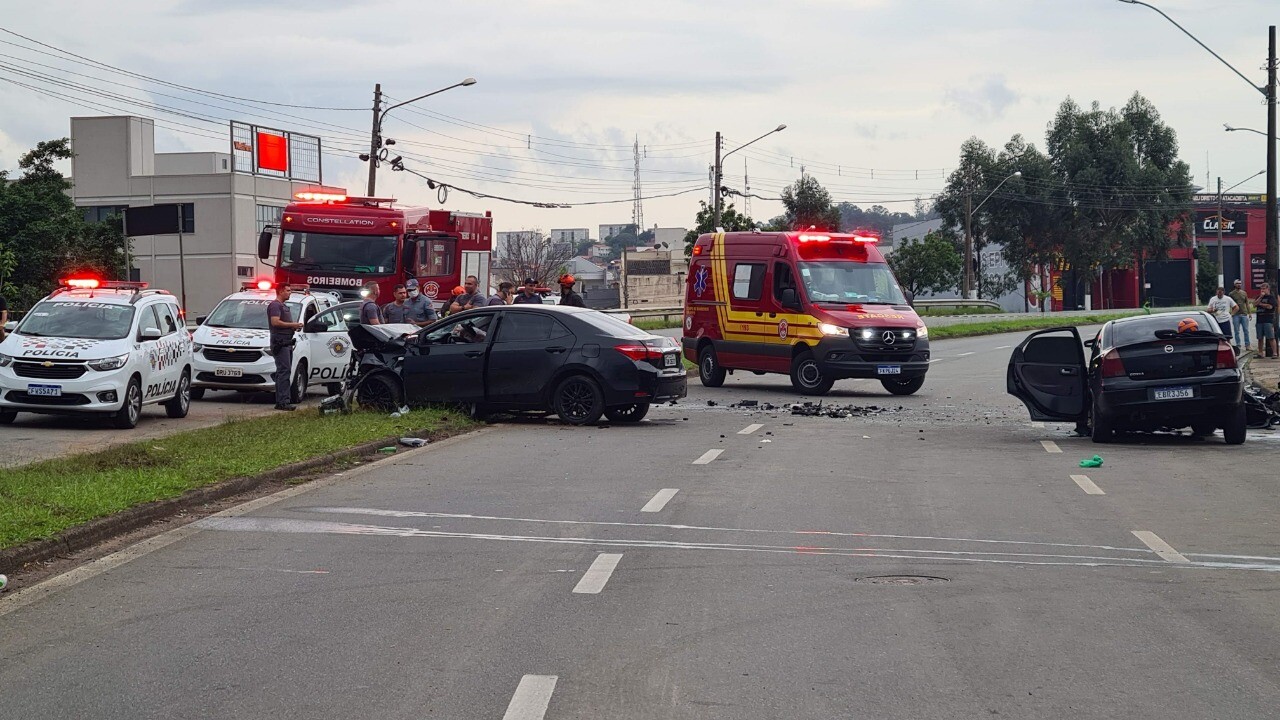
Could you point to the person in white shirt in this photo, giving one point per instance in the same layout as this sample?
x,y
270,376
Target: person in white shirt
x,y
1221,306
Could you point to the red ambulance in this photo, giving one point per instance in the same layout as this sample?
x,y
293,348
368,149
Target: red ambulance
x,y
818,306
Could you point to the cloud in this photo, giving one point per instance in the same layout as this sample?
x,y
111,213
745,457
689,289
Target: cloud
x,y
984,99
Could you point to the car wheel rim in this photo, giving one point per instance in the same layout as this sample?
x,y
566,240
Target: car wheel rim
x,y
135,403
184,393
708,366
809,374
577,400
376,394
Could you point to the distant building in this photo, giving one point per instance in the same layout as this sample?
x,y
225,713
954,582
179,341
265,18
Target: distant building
x,y
606,231
599,251
672,236
575,236
654,277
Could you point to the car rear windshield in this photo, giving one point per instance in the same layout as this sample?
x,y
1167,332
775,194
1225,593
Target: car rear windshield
x,y
1140,330
90,320
610,326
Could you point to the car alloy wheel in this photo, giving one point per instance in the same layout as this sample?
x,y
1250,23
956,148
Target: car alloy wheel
x,y
578,400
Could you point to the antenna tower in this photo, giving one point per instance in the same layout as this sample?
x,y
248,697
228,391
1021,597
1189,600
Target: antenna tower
x,y
637,209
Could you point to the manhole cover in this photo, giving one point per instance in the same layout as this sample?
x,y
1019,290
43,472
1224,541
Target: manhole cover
x,y
901,579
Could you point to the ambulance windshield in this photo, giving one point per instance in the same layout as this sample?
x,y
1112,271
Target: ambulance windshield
x,y
843,283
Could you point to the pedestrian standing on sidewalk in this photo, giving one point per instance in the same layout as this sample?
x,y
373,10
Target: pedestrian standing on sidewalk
x,y
281,330
1266,305
1220,307
1243,314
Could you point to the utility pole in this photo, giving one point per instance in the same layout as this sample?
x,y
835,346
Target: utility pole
x,y
375,138
715,187
1273,246
746,189
1222,265
968,245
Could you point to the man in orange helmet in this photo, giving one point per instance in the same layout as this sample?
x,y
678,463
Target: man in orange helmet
x,y
567,295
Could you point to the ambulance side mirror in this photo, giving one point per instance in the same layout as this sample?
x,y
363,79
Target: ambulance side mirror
x,y
910,296
788,299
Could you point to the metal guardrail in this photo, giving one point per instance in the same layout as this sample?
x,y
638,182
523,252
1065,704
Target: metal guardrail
x,y
666,314
955,303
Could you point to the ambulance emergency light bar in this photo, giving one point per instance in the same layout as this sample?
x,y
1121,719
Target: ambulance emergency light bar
x,y
816,238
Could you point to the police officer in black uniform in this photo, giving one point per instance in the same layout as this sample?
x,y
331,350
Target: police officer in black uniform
x,y
281,325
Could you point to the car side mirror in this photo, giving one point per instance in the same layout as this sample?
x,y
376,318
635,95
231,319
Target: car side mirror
x,y
150,333
1091,343
200,320
11,326
789,299
910,296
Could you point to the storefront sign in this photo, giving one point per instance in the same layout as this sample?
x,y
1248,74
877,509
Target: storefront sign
x,y
1235,223
1257,270
1206,198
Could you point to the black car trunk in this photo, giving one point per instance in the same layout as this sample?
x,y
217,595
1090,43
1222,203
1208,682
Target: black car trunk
x,y
1173,358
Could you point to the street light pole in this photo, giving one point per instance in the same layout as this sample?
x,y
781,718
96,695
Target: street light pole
x,y
719,172
968,232
375,141
1269,92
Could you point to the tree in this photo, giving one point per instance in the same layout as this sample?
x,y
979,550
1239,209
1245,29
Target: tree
x,y
808,204
730,219
880,218
619,241
528,254
43,235
1206,275
929,264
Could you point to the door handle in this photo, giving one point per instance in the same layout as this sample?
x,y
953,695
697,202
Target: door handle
x,y
556,349
1069,371
473,353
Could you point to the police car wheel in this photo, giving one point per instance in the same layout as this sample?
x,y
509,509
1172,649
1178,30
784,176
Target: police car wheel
x,y
627,413
7,416
298,389
903,387
197,393
709,370
131,411
807,377
181,402
578,400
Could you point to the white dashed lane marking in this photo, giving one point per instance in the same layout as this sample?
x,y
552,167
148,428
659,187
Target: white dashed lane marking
x,y
598,574
964,354
1003,347
1087,485
660,500
1161,548
532,697
750,429
707,457
1050,446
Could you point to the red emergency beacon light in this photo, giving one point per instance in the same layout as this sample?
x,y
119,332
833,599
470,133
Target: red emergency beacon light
x,y
82,283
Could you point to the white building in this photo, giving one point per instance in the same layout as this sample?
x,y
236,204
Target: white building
x,y
573,236
116,166
608,230
992,261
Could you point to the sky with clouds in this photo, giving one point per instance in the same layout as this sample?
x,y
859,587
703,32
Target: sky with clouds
x,y
877,95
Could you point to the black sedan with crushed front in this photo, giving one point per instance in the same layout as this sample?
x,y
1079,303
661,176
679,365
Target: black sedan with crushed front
x,y
577,363
1151,372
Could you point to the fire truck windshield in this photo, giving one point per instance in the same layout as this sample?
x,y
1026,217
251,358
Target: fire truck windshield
x,y
845,282
342,253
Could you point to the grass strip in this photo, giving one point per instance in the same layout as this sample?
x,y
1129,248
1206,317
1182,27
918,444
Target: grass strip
x,y
40,500
656,324
1036,322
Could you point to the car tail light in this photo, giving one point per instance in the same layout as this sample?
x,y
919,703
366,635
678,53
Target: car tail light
x,y
1226,356
1112,365
647,350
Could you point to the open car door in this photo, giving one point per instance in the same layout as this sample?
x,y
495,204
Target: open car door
x,y
1047,373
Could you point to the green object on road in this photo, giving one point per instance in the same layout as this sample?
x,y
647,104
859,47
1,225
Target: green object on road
x,y
388,450
1095,461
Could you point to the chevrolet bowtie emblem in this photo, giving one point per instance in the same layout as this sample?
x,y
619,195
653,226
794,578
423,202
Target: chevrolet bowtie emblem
x,y
47,363
231,349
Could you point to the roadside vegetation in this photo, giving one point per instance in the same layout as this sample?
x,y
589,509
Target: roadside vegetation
x,y
40,500
1031,322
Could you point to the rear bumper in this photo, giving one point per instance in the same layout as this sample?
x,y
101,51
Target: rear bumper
x,y
650,387
1132,401
842,358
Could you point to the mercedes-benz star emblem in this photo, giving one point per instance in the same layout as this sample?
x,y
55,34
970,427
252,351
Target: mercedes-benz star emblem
x,y
1168,348
888,337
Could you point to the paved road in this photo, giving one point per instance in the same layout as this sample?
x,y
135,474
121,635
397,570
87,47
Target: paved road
x,y
937,561
40,437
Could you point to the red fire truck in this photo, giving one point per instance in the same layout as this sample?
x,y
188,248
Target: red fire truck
x,y
334,242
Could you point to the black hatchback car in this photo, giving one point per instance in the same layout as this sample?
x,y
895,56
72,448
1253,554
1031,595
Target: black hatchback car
x,y
1150,372
575,362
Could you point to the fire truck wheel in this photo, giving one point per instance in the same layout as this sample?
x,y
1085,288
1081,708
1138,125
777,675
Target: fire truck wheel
x,y
627,413
197,393
709,370
903,387
578,400
807,377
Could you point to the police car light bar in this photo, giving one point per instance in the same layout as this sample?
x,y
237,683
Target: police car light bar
x,y
89,283
81,283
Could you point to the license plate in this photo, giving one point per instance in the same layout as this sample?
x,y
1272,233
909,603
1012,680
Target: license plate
x,y
1173,393
669,360
45,390
888,369
228,372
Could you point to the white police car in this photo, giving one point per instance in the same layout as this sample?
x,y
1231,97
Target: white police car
x,y
231,344
98,346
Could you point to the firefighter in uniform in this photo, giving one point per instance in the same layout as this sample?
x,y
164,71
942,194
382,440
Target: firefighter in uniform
x,y
567,295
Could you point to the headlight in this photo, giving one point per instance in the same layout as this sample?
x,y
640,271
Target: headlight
x,y
922,332
196,347
5,360
867,333
829,329
111,363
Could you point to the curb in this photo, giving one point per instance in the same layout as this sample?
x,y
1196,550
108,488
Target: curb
x,y
104,528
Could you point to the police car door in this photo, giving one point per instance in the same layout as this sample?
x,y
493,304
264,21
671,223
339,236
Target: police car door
x,y
169,351
152,372
330,345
